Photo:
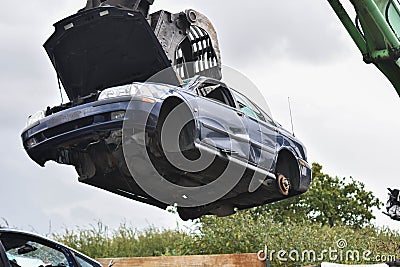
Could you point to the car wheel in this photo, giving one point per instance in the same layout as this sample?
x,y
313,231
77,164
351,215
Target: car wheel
x,y
287,174
283,184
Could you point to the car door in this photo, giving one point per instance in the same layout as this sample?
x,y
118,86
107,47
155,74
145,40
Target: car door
x,y
262,132
221,125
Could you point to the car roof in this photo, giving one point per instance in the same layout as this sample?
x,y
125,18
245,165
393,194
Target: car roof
x,y
34,235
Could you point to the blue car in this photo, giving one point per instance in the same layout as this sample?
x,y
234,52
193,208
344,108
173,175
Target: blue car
x,y
100,138
162,135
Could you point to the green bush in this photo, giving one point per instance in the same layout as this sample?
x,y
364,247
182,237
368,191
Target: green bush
x,y
240,233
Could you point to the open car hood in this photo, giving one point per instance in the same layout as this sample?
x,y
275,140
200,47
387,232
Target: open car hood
x,y
105,47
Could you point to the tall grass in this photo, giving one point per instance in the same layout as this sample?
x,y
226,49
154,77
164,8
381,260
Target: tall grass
x,y
99,241
241,233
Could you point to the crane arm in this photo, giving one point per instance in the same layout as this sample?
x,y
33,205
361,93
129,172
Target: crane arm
x,y
376,32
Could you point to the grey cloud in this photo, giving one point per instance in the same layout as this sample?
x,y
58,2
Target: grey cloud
x,y
34,13
297,30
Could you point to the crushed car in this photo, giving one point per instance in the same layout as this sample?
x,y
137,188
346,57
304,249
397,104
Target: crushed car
x,y
135,90
221,121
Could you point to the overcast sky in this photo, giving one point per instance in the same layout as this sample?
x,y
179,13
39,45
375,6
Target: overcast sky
x,y
345,111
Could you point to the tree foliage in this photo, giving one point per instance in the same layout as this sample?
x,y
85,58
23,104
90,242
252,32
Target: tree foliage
x,y
329,201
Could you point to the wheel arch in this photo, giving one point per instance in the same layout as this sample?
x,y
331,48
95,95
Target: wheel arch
x,y
168,105
287,164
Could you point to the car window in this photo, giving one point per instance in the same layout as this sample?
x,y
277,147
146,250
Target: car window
x,y
247,107
22,252
217,93
267,117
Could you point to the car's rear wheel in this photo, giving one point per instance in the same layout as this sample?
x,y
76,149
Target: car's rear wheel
x,y
287,174
283,184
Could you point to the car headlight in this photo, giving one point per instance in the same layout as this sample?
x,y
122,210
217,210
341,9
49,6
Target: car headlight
x,y
35,118
118,91
152,90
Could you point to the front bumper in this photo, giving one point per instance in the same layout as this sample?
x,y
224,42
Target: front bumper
x,y
305,176
76,126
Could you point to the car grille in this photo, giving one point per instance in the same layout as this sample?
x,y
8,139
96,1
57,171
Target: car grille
x,y
69,126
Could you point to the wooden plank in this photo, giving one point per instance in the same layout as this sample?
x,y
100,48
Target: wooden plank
x,y
225,260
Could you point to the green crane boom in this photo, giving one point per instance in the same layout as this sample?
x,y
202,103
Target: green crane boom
x,y
376,32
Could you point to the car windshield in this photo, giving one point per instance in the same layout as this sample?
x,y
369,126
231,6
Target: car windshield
x,y
188,82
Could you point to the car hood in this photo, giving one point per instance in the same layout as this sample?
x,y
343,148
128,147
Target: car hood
x,y
105,47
